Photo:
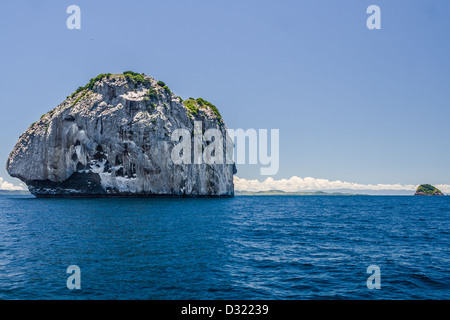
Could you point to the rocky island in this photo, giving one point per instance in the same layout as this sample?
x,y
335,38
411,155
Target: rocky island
x,y
428,190
112,138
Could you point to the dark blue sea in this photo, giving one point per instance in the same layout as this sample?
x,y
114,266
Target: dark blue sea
x,y
248,247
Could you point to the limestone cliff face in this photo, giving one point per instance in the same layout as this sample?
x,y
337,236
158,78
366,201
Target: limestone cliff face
x,y
113,138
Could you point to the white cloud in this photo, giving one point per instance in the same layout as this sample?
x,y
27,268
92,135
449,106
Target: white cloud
x,y
292,184
5,185
295,184
445,188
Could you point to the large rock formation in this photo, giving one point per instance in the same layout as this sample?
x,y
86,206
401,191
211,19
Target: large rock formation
x,y
428,190
113,138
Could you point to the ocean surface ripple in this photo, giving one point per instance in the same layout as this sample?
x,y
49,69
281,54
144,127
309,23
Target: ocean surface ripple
x,y
247,247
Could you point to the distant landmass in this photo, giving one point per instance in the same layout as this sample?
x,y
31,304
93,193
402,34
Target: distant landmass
x,y
428,190
283,193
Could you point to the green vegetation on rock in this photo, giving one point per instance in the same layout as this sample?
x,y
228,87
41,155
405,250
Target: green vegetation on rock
x,y
91,84
81,96
203,102
98,78
166,88
152,93
136,78
193,105
190,104
428,190
77,91
150,107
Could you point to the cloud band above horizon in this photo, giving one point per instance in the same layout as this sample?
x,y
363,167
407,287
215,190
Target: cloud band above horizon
x,y
296,184
293,184
5,185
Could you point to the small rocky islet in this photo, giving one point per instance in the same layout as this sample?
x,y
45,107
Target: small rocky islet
x,y
428,190
112,138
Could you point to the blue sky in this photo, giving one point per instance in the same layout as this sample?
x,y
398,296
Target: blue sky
x,y
352,104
